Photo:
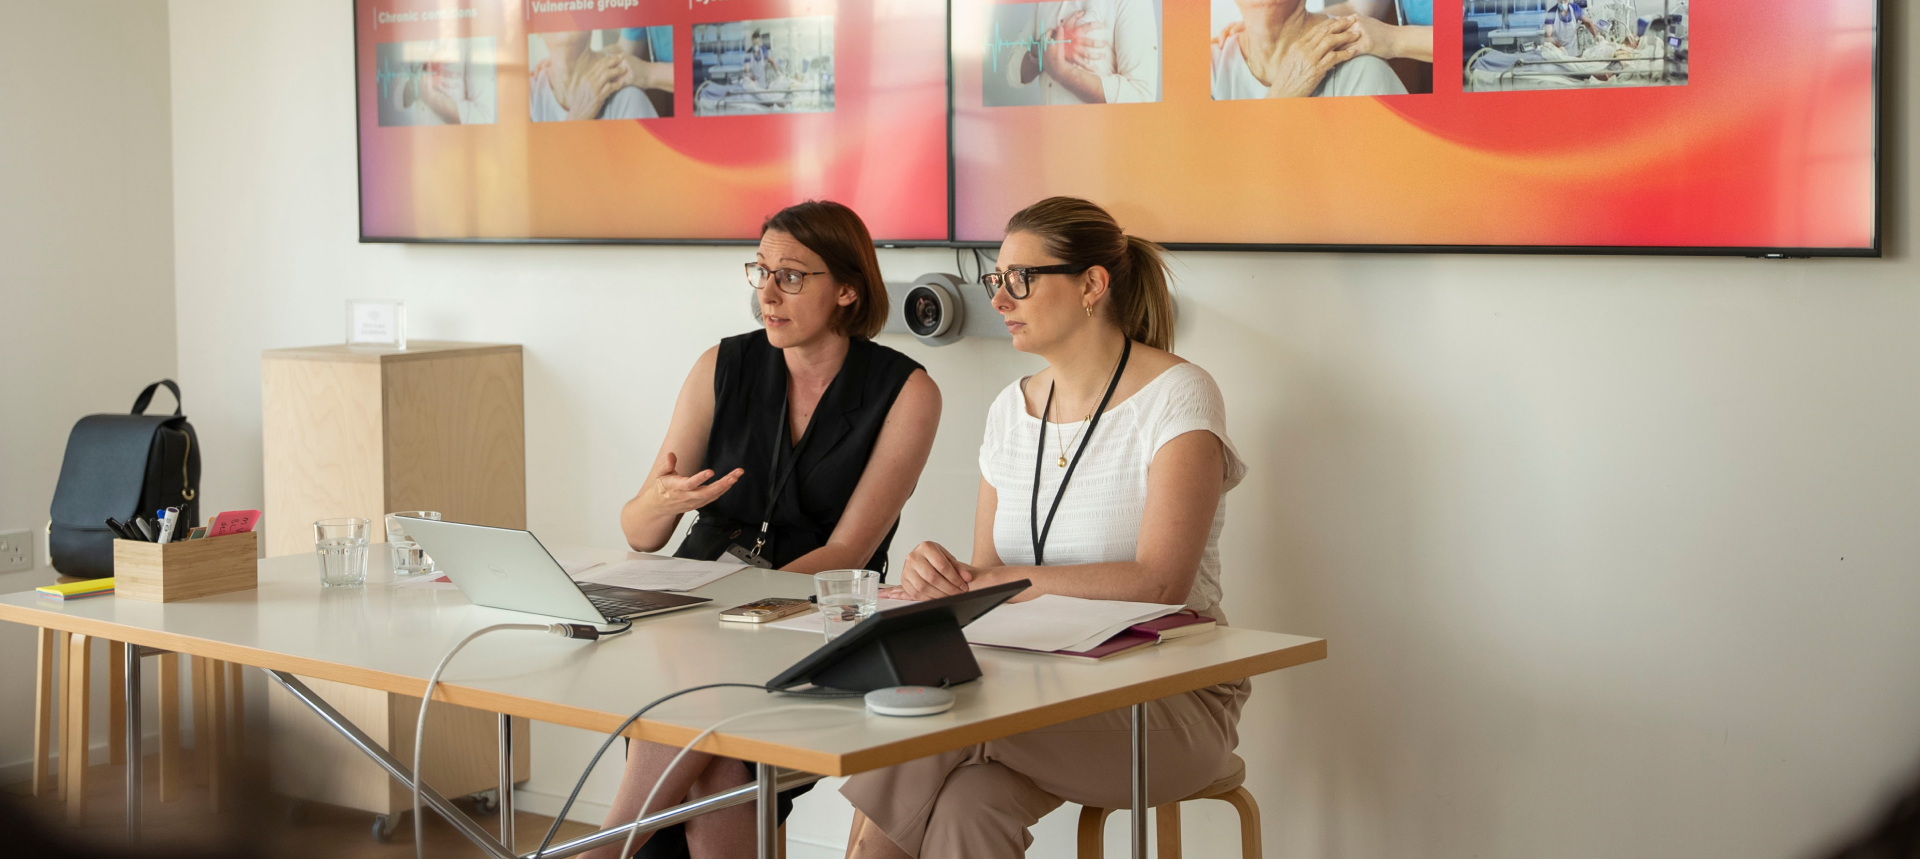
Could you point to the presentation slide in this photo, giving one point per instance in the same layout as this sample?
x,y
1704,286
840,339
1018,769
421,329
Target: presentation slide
x,y
671,120
1407,123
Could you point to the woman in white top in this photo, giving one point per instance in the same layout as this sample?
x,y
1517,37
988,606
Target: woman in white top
x,y
1128,507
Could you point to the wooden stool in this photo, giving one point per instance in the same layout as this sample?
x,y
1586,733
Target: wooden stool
x,y
1226,788
70,728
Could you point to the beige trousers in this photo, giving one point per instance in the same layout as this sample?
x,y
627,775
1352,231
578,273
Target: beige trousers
x,y
980,801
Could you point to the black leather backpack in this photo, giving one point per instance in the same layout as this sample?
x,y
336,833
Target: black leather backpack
x,y
116,466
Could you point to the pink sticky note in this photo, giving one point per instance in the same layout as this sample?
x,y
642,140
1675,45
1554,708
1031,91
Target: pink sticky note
x,y
233,522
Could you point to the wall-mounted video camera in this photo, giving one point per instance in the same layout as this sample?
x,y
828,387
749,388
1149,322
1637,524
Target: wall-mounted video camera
x,y
934,309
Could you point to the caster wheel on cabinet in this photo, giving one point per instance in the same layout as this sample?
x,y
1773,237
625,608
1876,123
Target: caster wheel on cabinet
x,y
384,825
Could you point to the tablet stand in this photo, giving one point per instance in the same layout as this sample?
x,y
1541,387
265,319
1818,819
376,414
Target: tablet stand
x,y
931,654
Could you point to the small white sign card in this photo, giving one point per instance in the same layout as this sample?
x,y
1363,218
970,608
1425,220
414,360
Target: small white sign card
x,y
377,323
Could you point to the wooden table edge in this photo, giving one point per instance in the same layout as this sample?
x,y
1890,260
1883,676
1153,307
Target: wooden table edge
x,y
822,763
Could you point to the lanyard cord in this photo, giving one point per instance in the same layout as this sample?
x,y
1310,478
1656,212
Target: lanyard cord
x,y
1040,455
779,447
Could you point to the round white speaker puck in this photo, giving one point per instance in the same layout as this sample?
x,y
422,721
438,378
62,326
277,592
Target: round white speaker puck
x,y
909,701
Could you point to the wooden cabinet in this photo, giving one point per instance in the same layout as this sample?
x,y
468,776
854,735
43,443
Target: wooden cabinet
x,y
364,432
360,432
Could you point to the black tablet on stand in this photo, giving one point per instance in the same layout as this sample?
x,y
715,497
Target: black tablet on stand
x,y
914,645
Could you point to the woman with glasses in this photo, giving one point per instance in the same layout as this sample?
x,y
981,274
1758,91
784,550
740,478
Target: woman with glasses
x,y
1101,478
797,445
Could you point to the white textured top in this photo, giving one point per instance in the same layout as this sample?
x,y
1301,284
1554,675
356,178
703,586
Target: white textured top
x,y
1099,518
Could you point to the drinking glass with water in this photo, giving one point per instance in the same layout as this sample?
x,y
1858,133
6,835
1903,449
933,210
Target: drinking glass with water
x,y
846,597
408,558
342,547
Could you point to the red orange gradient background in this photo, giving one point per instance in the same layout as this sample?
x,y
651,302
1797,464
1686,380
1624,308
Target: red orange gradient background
x,y
882,150
1769,145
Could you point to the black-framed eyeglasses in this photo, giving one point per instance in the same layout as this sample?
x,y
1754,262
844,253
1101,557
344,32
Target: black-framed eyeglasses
x,y
1018,280
789,280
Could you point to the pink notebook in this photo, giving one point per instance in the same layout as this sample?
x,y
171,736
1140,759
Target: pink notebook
x,y
1180,624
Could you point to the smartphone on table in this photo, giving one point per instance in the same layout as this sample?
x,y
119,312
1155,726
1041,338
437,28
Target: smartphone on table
x,y
766,610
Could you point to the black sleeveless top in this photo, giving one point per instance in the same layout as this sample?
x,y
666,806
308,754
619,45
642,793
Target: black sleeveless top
x,y
749,388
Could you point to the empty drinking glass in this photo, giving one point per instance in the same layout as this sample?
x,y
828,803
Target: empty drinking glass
x,y
408,559
342,547
846,597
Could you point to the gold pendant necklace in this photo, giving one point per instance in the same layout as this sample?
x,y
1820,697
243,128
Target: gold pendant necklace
x,y
1084,422
1076,437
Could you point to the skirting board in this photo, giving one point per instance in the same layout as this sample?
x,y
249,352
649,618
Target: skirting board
x,y
22,771
588,811
540,802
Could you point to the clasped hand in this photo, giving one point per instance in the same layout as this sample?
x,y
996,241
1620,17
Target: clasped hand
x,y
932,572
1296,70
600,76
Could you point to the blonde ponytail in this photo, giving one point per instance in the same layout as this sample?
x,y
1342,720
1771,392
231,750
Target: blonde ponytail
x,y
1081,233
1145,305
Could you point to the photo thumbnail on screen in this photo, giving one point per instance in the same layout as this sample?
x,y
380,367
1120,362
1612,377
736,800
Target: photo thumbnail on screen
x,y
779,65
1306,48
622,73
1583,44
437,82
1075,52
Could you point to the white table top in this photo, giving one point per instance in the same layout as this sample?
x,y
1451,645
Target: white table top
x,y
390,638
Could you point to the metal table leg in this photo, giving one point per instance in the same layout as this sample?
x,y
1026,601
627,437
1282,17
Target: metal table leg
x,y
1139,823
506,781
133,652
767,809
428,796
772,780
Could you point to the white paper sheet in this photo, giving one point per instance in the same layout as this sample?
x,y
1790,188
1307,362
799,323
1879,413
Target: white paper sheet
x,y
809,621
661,574
1053,622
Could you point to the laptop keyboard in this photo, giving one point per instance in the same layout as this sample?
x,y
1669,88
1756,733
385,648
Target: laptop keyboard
x,y
615,608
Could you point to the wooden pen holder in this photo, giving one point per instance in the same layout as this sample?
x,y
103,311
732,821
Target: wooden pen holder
x,y
184,570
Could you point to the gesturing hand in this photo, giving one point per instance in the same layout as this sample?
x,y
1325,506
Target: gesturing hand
x,y
932,572
669,494
1296,70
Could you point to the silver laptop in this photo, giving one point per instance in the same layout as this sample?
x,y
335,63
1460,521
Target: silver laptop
x,y
507,568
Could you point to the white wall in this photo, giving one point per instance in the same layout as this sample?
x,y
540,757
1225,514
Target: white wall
x,y
86,264
1616,555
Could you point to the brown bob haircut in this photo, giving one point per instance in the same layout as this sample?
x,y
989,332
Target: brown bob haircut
x,y
841,239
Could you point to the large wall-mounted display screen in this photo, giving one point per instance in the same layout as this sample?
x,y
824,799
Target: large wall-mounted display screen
x,y
1527,124
635,120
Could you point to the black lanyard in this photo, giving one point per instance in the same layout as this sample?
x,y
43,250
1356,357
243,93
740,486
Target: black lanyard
x,y
781,431
1040,455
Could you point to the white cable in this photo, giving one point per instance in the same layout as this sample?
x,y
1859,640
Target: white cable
x,y
420,724
644,804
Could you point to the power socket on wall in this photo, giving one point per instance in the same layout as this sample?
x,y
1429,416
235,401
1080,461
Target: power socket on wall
x,y
16,551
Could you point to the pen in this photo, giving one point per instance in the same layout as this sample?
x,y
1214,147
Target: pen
x,y
169,518
118,530
146,530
